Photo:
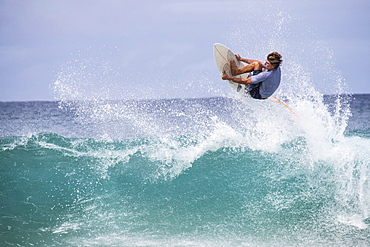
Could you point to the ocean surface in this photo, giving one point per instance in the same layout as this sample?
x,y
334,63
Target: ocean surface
x,y
221,171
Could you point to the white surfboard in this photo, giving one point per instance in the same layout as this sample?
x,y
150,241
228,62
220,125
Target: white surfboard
x,y
223,56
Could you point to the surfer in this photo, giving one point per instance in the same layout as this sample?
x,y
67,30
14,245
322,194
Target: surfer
x,y
265,78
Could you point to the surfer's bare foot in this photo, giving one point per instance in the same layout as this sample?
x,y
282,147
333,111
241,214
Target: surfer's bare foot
x,y
238,57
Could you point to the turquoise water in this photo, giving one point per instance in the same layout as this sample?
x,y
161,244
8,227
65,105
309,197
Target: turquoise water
x,y
185,172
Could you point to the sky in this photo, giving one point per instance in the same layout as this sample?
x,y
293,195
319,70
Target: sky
x,y
110,49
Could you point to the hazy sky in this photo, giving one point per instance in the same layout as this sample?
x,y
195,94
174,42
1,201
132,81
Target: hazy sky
x,y
155,49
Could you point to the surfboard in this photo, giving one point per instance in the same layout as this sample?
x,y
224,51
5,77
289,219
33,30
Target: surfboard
x,y
223,56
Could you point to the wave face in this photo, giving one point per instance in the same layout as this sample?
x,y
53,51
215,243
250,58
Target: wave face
x,y
196,172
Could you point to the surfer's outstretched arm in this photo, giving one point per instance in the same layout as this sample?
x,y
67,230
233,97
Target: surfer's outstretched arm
x,y
237,80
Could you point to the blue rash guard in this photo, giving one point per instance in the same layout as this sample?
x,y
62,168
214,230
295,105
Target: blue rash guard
x,y
269,81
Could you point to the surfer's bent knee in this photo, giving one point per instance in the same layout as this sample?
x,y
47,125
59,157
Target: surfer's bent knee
x,y
257,65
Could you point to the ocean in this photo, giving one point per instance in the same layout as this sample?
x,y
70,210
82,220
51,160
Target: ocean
x,y
221,171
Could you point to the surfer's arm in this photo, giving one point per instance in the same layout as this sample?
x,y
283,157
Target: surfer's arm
x,y
237,80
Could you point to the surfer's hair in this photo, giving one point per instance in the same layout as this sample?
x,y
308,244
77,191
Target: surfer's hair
x,y
275,58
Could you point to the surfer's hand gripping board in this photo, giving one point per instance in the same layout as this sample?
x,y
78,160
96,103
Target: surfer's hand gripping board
x,y
223,56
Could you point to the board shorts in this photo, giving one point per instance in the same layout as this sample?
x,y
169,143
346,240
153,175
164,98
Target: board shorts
x,y
254,89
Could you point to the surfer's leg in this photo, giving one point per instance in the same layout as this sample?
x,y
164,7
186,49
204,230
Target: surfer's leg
x,y
257,65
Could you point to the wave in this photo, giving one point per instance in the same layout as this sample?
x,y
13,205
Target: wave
x,y
219,185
